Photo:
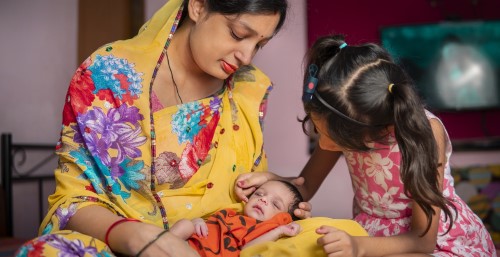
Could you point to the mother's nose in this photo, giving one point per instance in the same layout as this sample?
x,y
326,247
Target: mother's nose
x,y
245,54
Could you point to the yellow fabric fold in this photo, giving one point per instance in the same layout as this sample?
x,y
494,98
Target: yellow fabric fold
x,y
304,244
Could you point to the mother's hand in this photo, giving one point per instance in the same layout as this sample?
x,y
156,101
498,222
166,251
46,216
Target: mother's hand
x,y
247,183
131,237
169,245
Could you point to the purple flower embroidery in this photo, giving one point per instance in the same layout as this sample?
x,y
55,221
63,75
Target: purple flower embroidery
x,y
71,248
65,214
215,104
118,129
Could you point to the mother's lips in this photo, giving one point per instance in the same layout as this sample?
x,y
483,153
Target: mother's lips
x,y
228,68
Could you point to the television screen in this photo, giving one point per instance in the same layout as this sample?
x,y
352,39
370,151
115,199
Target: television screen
x,y
456,68
456,65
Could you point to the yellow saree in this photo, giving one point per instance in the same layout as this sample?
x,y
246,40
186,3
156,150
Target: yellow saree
x,y
155,166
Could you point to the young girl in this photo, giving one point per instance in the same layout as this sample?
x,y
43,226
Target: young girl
x,y
364,106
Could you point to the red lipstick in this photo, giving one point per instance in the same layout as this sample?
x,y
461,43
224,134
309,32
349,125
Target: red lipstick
x,y
228,68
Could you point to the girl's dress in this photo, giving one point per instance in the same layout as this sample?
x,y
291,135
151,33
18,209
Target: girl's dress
x,y
383,209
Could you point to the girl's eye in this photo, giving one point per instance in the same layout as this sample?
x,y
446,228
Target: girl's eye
x,y
276,205
236,36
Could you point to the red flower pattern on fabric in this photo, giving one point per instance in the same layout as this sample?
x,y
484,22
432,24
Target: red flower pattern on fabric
x,y
195,153
79,96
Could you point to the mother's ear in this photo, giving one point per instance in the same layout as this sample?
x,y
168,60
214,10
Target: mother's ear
x,y
196,10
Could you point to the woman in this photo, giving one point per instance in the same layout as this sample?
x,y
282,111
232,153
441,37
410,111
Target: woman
x,y
156,128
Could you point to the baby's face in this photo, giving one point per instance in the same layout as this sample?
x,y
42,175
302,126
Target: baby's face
x,y
268,200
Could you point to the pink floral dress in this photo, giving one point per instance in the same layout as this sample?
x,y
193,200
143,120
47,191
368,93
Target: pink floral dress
x,y
382,208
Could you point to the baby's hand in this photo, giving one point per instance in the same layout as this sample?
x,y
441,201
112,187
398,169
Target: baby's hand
x,y
291,229
200,227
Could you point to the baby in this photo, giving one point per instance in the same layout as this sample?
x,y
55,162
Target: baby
x,y
268,215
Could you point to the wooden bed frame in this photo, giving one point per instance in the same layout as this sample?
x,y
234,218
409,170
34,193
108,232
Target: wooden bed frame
x,y
17,167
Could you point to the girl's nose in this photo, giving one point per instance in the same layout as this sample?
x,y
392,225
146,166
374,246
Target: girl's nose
x,y
263,201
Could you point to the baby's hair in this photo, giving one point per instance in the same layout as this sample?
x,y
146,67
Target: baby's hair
x,y
371,92
297,198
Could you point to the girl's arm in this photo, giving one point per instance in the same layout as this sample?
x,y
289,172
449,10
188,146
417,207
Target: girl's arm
x,y
410,242
317,168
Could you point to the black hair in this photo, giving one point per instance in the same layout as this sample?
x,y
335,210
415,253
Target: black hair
x,y
297,198
232,7
354,80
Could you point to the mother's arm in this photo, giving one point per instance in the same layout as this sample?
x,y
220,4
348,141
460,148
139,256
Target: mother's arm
x,y
127,237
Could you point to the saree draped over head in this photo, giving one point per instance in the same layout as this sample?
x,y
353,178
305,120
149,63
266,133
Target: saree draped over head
x,y
156,166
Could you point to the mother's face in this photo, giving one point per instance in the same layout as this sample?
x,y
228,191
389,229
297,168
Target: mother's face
x,y
220,44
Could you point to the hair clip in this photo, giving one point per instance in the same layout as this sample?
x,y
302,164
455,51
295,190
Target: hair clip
x,y
390,87
343,45
311,83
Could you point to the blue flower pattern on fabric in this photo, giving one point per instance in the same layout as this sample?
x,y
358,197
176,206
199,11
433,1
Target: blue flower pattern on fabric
x,y
104,70
186,121
89,168
118,130
132,174
47,229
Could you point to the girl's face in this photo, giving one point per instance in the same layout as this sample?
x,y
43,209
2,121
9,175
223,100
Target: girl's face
x,y
268,200
221,44
325,141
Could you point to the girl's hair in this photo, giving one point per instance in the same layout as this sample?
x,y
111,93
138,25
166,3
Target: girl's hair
x,y
355,82
232,7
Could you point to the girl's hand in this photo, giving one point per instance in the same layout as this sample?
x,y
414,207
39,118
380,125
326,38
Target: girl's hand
x,y
200,227
247,183
304,210
291,229
336,242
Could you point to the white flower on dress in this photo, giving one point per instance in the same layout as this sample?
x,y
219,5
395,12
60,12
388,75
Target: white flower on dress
x,y
380,168
384,206
350,158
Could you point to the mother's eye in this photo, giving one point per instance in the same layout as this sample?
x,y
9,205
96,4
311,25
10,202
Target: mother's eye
x,y
236,37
